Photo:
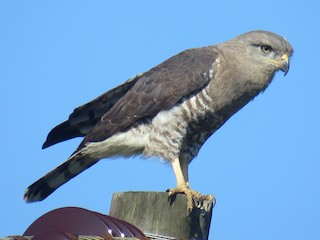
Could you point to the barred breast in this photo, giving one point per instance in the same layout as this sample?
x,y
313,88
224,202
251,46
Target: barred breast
x,y
181,131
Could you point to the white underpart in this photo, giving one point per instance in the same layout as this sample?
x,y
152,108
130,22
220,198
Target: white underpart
x,y
121,144
140,139
161,136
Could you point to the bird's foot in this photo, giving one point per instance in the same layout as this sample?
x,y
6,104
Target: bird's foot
x,y
194,198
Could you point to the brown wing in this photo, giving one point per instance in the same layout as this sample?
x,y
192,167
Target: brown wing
x,y
85,117
156,90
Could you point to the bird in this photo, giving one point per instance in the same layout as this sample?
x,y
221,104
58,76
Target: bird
x,y
169,111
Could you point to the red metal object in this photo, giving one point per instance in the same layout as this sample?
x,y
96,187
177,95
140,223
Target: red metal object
x,y
51,236
79,221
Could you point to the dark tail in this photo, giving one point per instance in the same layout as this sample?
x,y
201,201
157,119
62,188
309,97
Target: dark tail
x,y
57,177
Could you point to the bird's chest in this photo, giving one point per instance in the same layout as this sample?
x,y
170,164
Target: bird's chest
x,y
186,126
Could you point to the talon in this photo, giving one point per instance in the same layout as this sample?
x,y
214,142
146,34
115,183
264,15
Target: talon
x,y
171,196
194,198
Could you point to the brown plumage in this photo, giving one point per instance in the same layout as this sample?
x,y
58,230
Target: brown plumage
x,y
170,110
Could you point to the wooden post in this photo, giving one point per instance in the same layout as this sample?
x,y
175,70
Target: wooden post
x,y
151,212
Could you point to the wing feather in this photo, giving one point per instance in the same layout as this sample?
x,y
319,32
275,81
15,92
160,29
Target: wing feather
x,y
156,90
84,118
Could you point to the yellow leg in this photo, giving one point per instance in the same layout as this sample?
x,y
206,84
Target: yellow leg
x,y
181,173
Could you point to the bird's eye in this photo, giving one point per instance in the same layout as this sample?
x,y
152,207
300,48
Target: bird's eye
x,y
266,49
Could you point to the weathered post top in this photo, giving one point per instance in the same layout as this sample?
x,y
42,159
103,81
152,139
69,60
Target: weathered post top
x,y
152,213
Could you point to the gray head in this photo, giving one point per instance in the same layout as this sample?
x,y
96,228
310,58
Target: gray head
x,y
267,51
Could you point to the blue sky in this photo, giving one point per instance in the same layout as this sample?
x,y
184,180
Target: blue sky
x,y
263,165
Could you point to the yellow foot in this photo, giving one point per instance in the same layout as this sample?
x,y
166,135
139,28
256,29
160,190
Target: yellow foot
x,y
194,198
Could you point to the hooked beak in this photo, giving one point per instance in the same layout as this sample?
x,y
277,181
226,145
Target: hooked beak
x,y
284,64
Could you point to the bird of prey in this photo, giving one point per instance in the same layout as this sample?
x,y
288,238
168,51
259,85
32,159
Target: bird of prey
x,y
169,111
